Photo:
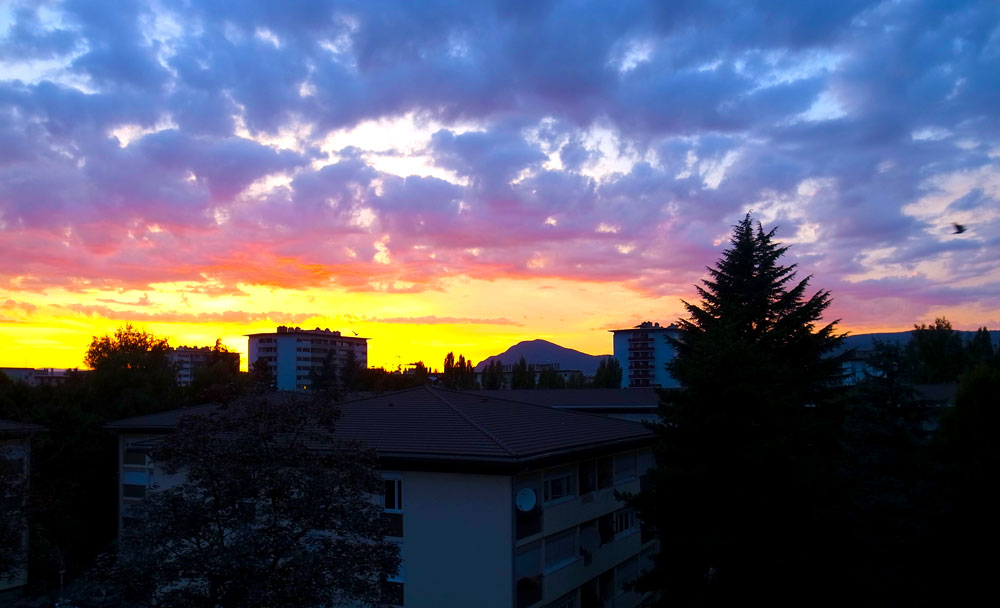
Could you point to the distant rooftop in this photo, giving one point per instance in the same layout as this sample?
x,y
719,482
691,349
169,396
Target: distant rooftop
x,y
445,428
282,329
650,325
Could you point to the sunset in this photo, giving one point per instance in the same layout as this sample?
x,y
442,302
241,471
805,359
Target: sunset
x,y
439,177
498,303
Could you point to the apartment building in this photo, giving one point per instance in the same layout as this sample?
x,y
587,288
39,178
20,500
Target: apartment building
x,y
189,359
295,355
643,353
15,455
494,503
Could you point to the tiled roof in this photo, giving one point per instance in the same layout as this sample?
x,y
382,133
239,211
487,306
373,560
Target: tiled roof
x,y
583,398
431,423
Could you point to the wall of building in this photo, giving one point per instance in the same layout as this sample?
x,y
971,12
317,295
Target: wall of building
x,y
659,350
457,540
577,541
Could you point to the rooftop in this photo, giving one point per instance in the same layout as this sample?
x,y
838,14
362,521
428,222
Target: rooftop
x,y
431,425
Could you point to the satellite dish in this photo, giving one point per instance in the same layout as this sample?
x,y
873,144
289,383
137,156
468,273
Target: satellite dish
x,y
525,500
590,539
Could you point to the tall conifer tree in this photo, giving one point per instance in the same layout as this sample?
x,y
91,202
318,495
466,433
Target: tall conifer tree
x,y
730,494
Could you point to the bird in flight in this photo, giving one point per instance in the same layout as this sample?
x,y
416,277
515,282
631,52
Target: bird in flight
x,y
959,228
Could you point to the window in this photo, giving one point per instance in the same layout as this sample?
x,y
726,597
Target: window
x,y
134,483
624,520
393,498
624,467
528,572
560,549
566,601
134,457
605,473
559,484
588,476
625,573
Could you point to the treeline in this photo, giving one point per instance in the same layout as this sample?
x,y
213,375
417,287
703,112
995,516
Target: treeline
x,y
72,505
524,375
777,482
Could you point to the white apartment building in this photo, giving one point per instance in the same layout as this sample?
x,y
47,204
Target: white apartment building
x,y
295,354
494,503
643,353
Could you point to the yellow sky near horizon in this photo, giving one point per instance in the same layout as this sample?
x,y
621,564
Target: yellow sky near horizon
x,y
476,318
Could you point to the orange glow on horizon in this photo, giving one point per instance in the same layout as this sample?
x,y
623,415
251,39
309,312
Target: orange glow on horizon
x,y
474,318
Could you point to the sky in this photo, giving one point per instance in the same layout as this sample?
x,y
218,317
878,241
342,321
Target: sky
x,y
459,176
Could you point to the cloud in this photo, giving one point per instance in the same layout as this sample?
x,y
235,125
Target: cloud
x,y
148,144
433,320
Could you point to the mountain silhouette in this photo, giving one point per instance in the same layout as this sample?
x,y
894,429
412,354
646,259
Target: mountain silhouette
x,y
543,351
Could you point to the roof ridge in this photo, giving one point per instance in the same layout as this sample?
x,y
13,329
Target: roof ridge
x,y
475,424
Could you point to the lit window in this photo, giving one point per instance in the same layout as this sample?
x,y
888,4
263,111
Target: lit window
x,y
559,484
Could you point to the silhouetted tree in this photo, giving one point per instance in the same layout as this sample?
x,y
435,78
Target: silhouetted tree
x,y
732,492
458,375
324,379
271,511
881,502
217,380
261,377
936,352
609,374
550,378
131,373
971,459
492,377
523,375
352,373
576,380
979,349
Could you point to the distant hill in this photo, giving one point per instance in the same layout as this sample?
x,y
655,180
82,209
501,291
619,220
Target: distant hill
x,y
543,351
864,342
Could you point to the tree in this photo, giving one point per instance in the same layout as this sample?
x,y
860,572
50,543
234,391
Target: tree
x,y
551,379
261,376
218,377
609,374
325,378
131,373
458,375
732,492
979,349
492,378
936,352
271,510
523,375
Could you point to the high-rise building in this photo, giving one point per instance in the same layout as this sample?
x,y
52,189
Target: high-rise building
x,y
296,355
643,352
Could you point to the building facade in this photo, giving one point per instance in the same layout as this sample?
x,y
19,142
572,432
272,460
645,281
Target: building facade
x,y
493,503
296,355
643,353
15,464
188,360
